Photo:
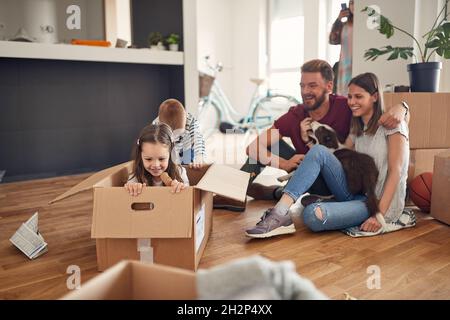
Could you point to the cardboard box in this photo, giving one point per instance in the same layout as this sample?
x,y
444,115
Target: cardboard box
x,y
157,226
421,160
429,125
131,280
440,192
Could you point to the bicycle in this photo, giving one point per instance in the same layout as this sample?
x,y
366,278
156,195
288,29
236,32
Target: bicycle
x,y
214,108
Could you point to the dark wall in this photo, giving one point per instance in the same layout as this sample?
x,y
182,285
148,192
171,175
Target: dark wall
x,y
165,16
64,117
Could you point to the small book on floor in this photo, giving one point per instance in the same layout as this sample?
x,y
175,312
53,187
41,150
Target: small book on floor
x,y
28,239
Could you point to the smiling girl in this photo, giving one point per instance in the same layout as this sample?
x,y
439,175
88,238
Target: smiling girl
x,y
152,156
389,148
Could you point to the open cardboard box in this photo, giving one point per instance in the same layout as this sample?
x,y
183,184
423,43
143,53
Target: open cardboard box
x,y
129,280
157,226
421,160
440,191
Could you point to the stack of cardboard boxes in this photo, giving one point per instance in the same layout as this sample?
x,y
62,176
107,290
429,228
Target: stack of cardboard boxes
x,y
429,130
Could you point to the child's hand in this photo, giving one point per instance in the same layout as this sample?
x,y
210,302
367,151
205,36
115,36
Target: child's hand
x,y
197,164
134,188
177,186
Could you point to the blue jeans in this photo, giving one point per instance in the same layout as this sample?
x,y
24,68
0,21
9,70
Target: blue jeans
x,y
349,210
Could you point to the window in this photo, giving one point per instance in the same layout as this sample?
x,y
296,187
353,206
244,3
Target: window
x,y
286,46
287,26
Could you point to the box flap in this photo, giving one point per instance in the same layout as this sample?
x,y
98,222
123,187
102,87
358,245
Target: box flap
x,y
158,282
130,280
99,179
444,154
195,175
225,181
155,213
113,284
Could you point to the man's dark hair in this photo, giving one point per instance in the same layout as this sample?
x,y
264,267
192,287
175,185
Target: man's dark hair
x,y
321,66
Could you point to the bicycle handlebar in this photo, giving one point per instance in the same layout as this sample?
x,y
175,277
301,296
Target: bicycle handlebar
x,y
217,68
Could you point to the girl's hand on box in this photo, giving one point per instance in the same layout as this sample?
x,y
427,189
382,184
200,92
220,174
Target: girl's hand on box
x,y
177,186
134,188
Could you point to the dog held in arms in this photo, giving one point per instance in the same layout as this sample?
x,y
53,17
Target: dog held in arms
x,y
360,169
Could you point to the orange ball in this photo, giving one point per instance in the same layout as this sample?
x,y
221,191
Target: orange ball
x,y
420,191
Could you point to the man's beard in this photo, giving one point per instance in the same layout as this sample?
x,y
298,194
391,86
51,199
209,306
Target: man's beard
x,y
318,103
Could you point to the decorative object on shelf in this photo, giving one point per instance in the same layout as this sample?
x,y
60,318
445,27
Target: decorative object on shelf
x,y
22,36
2,30
120,43
173,41
401,89
423,75
389,87
155,41
95,43
48,34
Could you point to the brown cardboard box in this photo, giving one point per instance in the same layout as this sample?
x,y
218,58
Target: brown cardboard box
x,y
421,160
440,192
429,125
129,280
172,229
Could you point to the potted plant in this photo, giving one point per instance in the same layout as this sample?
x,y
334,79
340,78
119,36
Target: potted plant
x,y
155,41
173,41
424,74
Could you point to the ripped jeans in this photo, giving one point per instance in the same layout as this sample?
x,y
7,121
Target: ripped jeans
x,y
348,211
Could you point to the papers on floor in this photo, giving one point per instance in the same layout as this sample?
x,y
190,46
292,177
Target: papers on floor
x,y
28,239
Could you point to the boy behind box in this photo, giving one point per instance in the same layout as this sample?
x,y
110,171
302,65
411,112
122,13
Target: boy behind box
x,y
188,140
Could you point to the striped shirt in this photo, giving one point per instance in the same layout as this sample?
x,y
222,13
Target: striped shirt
x,y
190,144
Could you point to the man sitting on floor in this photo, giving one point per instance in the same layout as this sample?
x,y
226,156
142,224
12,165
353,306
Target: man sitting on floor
x,y
319,104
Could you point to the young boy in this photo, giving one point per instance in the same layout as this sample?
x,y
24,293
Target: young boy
x,y
188,140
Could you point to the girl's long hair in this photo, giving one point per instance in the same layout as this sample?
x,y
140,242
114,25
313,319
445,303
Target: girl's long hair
x,y
370,83
154,133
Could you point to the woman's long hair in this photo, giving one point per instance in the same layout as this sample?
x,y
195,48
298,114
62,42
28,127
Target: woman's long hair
x,y
370,83
154,133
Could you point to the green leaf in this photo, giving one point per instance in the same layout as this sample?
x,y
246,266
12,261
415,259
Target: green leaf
x,y
386,27
446,29
394,55
432,44
447,54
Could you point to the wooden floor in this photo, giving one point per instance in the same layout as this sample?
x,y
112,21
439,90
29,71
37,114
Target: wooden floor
x,y
414,263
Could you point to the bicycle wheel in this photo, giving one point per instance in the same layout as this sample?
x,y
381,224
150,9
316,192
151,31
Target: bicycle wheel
x,y
269,109
208,117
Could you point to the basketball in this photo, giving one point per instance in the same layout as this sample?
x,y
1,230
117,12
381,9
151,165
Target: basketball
x,y
420,191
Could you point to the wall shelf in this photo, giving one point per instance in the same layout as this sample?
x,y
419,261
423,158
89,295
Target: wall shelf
x,y
10,49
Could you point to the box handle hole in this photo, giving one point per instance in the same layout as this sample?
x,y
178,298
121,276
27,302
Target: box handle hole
x,y
142,206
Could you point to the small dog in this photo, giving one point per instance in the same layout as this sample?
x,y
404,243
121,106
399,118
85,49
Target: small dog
x,y
360,169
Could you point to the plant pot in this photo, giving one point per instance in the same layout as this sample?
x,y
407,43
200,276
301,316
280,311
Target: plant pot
x,y
424,77
173,47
